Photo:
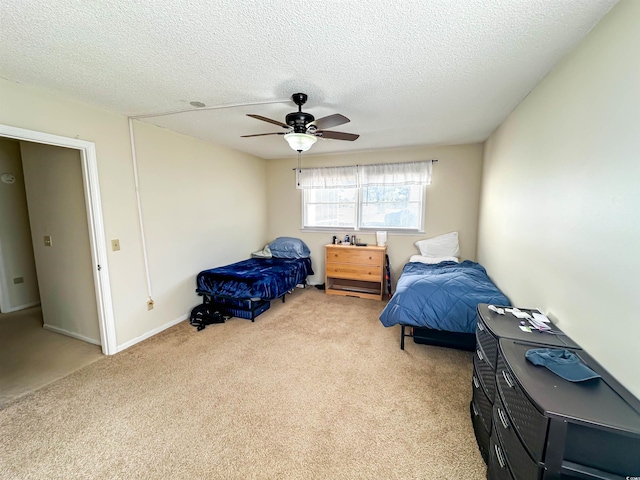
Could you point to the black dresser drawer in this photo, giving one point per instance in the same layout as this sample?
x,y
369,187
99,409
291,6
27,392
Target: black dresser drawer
x,y
487,342
498,468
486,372
519,461
608,451
481,433
530,424
482,402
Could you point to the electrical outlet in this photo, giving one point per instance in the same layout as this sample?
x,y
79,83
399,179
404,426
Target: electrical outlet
x,y
115,245
47,241
150,305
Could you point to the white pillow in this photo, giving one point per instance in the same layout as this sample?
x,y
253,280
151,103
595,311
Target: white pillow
x,y
431,260
441,246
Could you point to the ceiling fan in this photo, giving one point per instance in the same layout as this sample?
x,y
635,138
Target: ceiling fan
x,y
303,130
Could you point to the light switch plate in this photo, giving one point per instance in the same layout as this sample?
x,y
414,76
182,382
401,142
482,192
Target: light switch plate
x,y
115,245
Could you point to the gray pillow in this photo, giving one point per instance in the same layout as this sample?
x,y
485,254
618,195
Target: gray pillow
x,y
289,247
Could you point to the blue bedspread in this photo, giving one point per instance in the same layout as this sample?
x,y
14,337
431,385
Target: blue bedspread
x,y
265,278
443,296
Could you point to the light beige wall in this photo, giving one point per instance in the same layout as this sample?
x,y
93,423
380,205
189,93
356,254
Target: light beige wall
x,y
177,236
55,196
15,234
452,200
560,213
203,206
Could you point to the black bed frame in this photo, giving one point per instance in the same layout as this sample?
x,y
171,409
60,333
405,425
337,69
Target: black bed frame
x,y
252,309
440,338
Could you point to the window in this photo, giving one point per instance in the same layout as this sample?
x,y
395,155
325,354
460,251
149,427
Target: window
x,y
388,196
330,207
392,207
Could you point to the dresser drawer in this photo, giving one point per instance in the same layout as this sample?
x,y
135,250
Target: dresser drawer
x,y
609,451
481,433
487,341
519,461
486,373
482,402
530,424
355,256
498,467
354,272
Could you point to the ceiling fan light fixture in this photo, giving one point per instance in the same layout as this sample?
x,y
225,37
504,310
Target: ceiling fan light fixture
x,y
300,142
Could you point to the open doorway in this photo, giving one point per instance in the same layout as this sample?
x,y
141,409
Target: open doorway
x,y
48,188
94,225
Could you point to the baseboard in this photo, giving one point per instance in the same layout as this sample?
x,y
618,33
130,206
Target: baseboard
x,y
71,334
22,307
151,333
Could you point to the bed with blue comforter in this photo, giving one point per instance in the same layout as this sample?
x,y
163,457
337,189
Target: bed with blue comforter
x,y
245,289
441,298
264,278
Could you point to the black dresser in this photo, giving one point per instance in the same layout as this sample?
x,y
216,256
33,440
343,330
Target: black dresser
x,y
532,424
490,328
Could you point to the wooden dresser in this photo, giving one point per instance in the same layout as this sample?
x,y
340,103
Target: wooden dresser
x,y
355,271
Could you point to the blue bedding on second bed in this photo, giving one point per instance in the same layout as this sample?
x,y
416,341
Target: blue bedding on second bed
x,y
265,278
441,296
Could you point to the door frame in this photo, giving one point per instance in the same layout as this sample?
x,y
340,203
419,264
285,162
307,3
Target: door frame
x,y
97,241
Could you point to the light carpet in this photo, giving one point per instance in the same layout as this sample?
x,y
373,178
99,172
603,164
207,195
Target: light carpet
x,y
316,388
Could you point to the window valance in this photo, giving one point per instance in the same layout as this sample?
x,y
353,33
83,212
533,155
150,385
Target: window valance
x,y
407,173
327,177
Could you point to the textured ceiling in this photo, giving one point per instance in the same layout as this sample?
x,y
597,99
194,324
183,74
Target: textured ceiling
x,y
408,73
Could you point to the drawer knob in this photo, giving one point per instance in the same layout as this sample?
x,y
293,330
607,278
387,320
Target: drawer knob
x,y
503,418
499,456
507,378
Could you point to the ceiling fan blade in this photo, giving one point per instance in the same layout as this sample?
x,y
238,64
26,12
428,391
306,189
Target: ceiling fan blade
x,y
337,135
265,119
262,134
330,121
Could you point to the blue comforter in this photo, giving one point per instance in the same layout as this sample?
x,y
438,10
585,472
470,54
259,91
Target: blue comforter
x,y
265,278
443,296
